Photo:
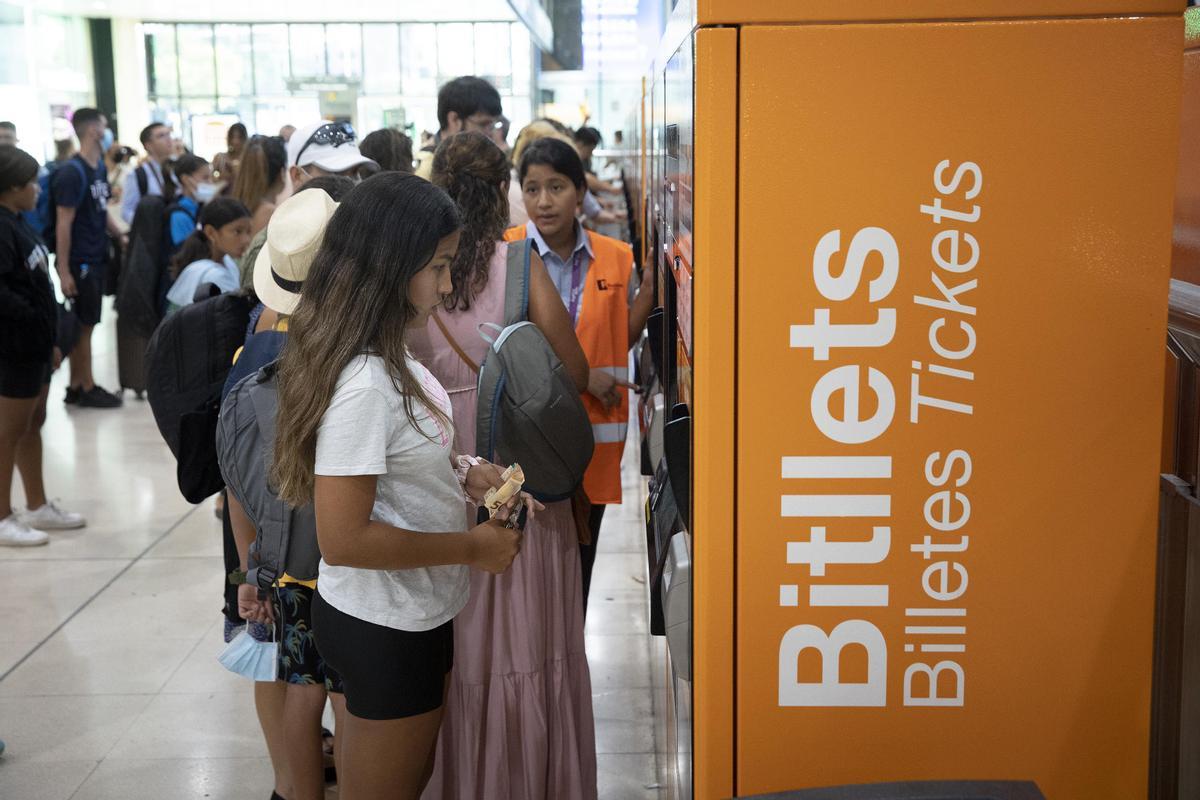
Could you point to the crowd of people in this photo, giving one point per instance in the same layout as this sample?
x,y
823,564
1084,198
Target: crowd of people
x,y
448,641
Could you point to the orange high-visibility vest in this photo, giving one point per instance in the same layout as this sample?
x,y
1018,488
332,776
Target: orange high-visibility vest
x,y
603,331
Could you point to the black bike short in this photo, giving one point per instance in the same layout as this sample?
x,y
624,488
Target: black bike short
x,y
23,381
386,673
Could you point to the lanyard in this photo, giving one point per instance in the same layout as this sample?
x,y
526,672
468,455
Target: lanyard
x,y
576,286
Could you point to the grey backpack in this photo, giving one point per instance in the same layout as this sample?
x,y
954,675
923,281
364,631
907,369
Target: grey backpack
x,y
529,411
286,537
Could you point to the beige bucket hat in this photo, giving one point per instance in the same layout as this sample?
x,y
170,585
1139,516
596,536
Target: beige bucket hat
x,y
294,236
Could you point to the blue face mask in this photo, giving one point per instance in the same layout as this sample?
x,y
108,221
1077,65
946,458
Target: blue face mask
x,y
251,658
106,139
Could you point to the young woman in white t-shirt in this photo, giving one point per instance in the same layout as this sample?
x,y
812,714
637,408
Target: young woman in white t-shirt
x,y
364,432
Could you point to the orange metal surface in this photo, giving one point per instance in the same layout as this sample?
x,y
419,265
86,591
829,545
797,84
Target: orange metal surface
x,y
715,311
1185,256
731,12
1005,190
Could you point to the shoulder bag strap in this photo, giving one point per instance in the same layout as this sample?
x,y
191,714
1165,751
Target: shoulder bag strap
x,y
437,320
516,287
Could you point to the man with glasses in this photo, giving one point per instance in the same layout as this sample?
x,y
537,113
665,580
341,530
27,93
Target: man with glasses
x,y
150,178
464,104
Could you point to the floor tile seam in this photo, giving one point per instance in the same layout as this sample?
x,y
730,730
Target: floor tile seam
x,y
186,659
86,778
98,592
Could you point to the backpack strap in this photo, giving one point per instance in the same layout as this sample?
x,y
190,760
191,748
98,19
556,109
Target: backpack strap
x,y
264,409
143,182
516,287
75,162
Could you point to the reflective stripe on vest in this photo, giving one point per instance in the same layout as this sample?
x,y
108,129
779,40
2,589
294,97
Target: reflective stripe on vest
x,y
609,432
603,333
620,373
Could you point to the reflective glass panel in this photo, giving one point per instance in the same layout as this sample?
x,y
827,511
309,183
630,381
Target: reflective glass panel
x,y
493,45
381,59
160,55
418,58
14,68
343,43
271,68
308,51
456,49
197,69
235,63
522,60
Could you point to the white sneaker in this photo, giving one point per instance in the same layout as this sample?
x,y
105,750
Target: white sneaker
x,y
14,533
52,518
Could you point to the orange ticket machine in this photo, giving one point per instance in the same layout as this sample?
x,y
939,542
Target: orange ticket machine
x,y
905,389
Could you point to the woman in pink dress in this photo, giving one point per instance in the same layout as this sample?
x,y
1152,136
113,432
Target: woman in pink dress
x,y
518,723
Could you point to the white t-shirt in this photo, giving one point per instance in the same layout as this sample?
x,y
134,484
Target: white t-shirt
x,y
366,432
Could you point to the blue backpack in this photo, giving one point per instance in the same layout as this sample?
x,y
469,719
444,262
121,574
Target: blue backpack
x,y
44,217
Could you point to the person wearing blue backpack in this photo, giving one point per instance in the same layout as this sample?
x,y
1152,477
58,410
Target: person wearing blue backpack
x,y
532,677
81,228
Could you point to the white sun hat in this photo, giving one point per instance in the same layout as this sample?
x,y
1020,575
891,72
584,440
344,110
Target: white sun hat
x,y
294,236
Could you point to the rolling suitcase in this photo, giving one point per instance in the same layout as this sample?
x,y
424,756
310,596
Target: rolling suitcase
x,y
131,358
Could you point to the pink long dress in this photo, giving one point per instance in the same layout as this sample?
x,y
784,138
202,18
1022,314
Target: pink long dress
x,y
518,723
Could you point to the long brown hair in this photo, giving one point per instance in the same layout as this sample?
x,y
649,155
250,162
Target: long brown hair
x,y
355,302
473,171
263,162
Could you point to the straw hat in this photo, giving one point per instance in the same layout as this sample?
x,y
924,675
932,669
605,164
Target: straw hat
x,y
294,236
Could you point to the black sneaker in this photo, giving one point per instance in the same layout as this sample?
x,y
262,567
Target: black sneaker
x,y
73,395
96,397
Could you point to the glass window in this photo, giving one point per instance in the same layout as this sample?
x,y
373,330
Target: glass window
x,y
308,51
243,109
64,53
418,55
493,45
160,55
381,57
272,113
197,67
519,111
235,61
344,46
522,60
456,47
13,65
421,113
271,69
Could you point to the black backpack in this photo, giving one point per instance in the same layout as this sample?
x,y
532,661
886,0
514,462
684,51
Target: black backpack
x,y
187,362
145,265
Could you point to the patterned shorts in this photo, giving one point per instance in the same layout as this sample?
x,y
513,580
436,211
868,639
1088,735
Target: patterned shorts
x,y
299,661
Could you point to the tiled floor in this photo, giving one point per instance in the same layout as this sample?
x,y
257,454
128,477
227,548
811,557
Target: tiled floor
x,y
109,684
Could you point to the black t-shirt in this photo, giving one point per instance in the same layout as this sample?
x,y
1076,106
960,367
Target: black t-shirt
x,y
77,185
28,312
